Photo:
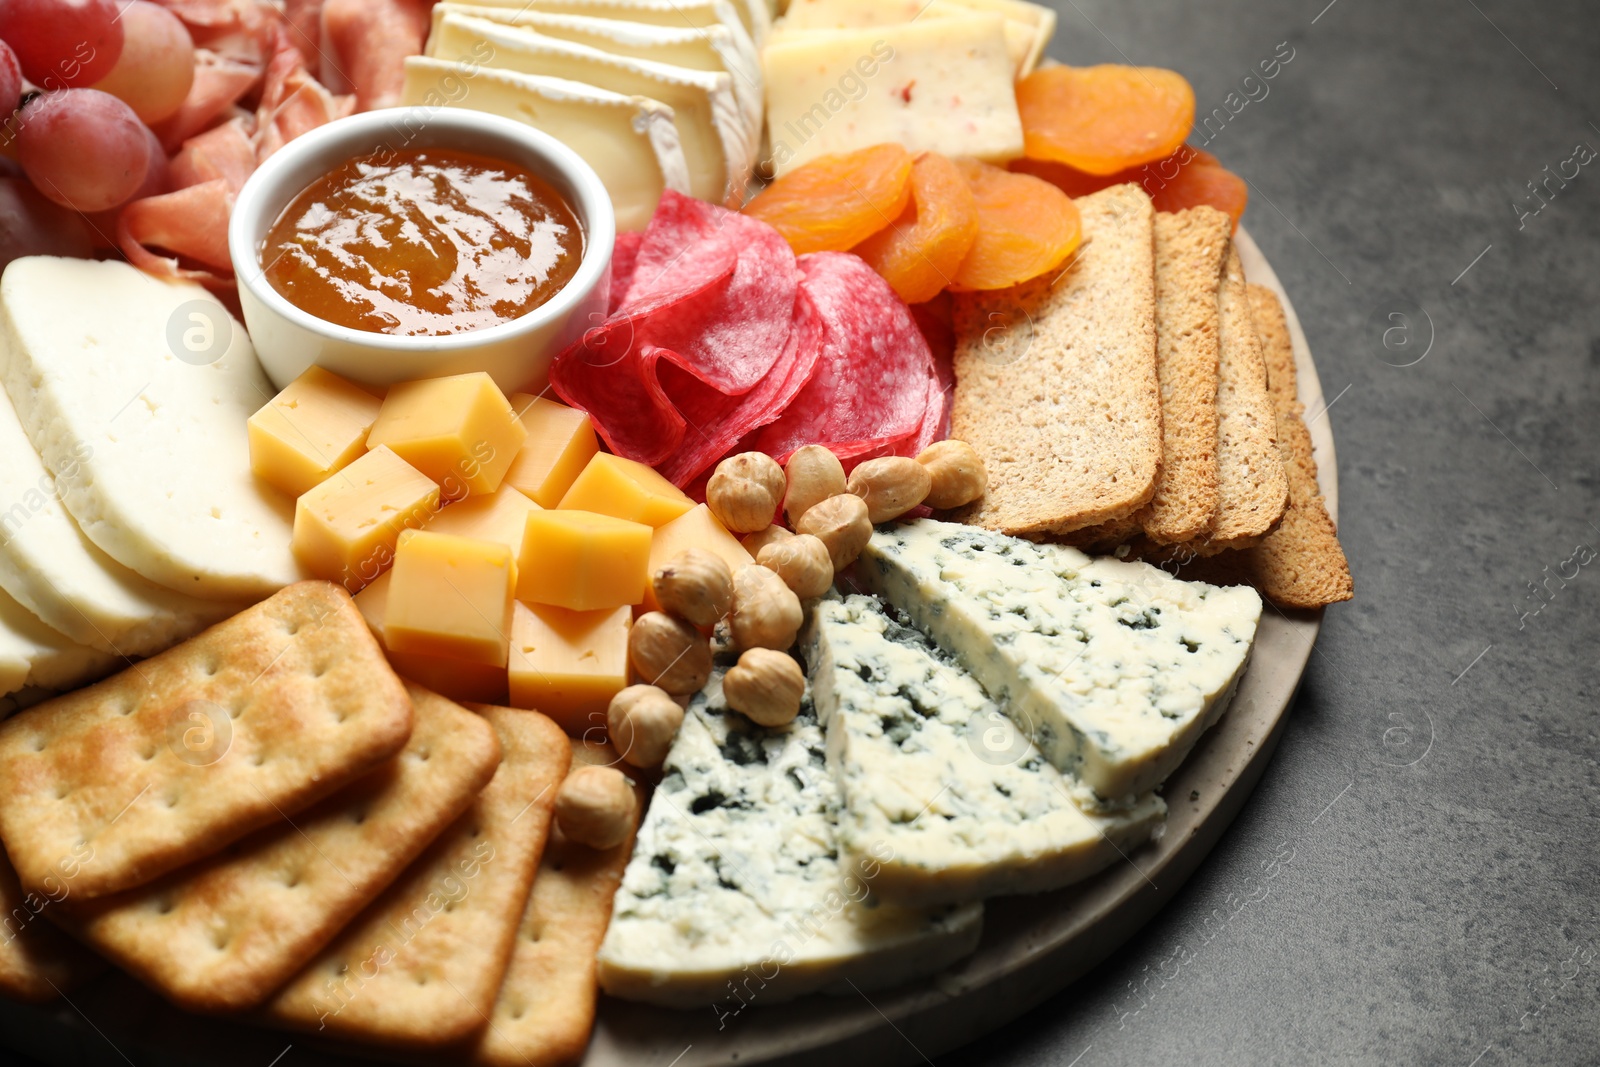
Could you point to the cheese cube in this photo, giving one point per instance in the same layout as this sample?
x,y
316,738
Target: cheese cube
x,y
697,528
463,682
460,431
935,84
560,442
450,596
317,425
345,529
499,516
569,664
626,489
582,560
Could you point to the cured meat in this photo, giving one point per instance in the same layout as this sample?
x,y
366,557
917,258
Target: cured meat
x,y
624,258
218,84
191,222
223,151
370,40
874,381
292,101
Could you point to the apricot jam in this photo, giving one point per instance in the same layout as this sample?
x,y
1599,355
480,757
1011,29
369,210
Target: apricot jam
x,y
423,242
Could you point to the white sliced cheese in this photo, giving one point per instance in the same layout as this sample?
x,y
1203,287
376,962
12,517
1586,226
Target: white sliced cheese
x,y
709,48
736,889
730,13
710,124
631,142
934,775
1113,669
50,568
32,654
944,85
149,450
1028,27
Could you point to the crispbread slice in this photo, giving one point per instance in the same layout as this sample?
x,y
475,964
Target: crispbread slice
x,y
254,720
1191,247
420,967
37,962
546,1005
1300,564
1254,489
1056,381
224,935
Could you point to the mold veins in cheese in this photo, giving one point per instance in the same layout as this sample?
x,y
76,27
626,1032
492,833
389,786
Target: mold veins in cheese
x,y
136,393
1113,669
736,881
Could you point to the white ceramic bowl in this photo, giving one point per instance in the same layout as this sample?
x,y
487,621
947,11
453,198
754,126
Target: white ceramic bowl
x,y
516,354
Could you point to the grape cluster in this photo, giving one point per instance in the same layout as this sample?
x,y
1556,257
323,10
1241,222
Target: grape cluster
x,y
82,83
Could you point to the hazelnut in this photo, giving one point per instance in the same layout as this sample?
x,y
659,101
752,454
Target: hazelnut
x,y
842,524
891,486
745,490
595,807
766,613
766,686
696,584
642,722
668,652
815,474
754,543
802,562
958,474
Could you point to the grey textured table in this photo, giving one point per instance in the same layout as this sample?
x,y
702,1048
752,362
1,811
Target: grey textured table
x,y
1415,878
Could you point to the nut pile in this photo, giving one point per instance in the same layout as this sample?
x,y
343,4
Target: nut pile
x,y
830,519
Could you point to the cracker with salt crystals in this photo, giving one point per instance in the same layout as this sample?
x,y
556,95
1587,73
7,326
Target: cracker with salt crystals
x,y
37,961
256,719
419,968
546,1006
224,934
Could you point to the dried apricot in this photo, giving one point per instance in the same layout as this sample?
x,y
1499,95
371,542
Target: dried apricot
x,y
1184,179
919,253
835,202
1025,228
1104,119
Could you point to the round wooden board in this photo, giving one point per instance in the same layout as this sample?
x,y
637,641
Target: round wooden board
x,y
1032,946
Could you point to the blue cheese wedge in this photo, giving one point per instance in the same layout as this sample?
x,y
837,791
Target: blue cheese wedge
x,y
736,893
939,789
1113,669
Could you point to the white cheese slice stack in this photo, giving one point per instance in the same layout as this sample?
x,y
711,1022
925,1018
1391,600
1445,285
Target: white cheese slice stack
x,y
751,17
32,654
736,878
944,85
51,569
934,776
632,143
717,48
150,451
1113,669
710,121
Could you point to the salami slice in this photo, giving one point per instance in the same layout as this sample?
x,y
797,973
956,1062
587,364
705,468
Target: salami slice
x,y
624,258
871,389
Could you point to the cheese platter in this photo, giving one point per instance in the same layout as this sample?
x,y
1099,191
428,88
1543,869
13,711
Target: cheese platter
x,y
587,531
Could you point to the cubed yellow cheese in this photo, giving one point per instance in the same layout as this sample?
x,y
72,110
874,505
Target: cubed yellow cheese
x,y
560,441
499,516
317,425
450,596
346,528
627,489
693,529
460,431
457,679
582,560
568,664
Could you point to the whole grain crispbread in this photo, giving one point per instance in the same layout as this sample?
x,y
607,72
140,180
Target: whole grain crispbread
x,y
224,934
421,966
161,765
1056,382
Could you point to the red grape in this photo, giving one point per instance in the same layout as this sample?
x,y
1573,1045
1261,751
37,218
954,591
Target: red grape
x,y
82,148
156,68
10,80
30,225
62,43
